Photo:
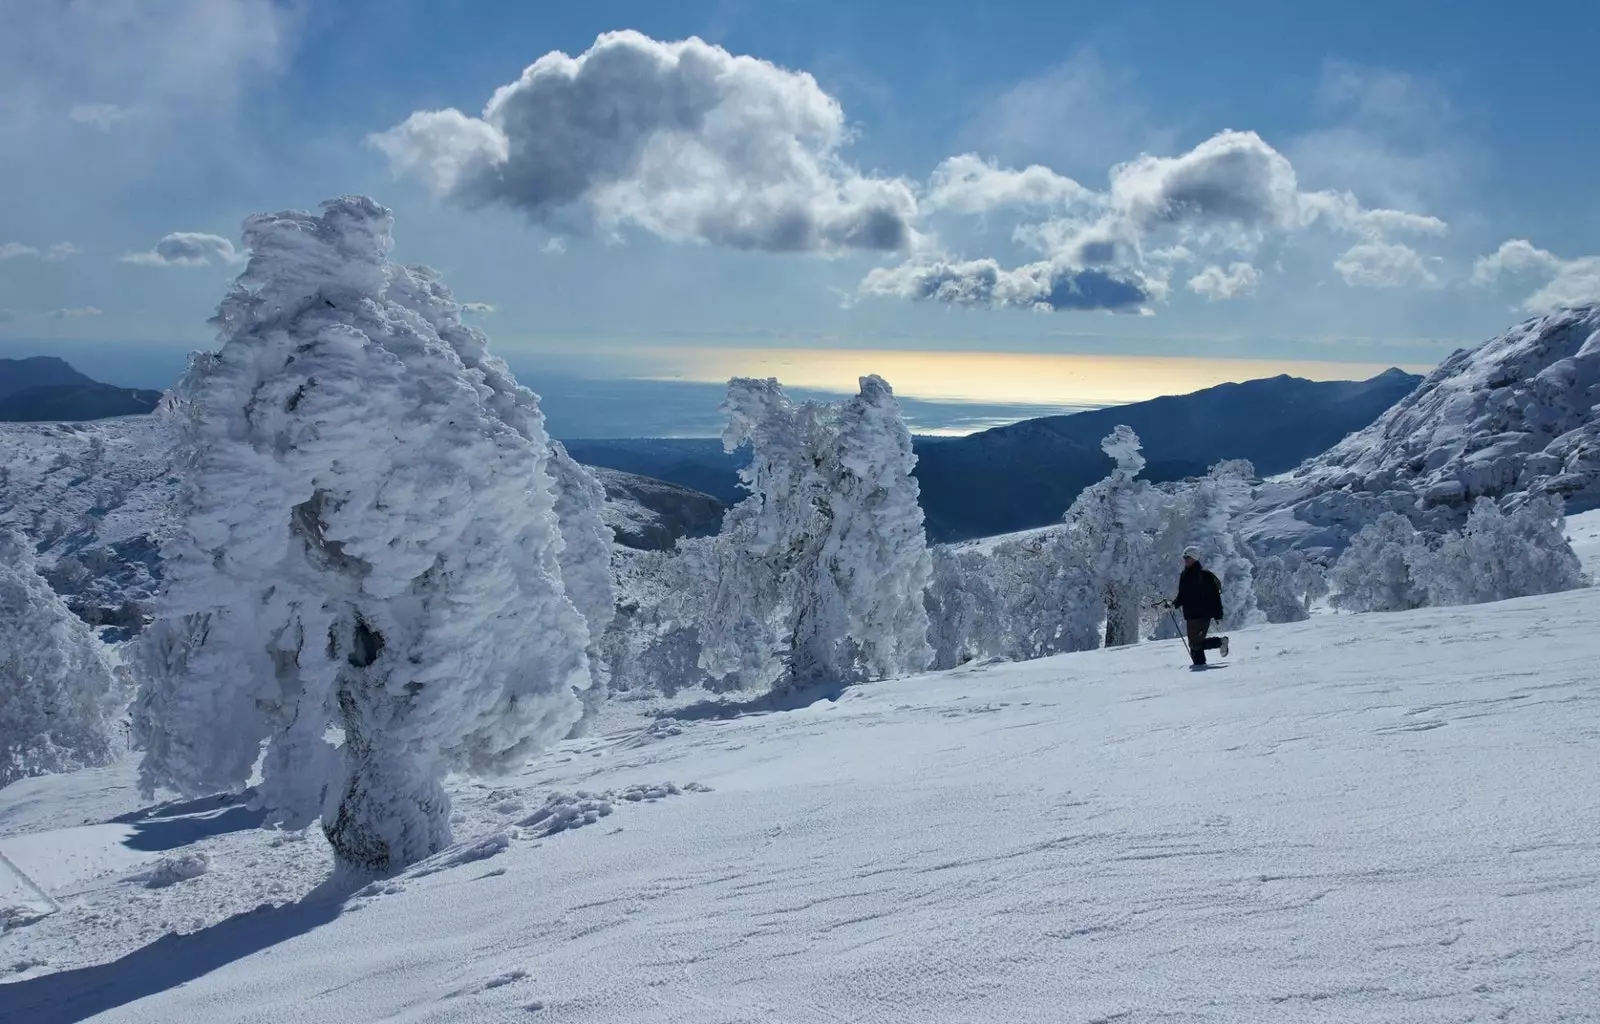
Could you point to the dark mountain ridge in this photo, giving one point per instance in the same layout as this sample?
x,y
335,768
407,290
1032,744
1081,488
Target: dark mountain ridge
x,y
1026,474
45,388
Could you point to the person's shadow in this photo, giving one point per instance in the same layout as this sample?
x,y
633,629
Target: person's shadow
x,y
68,997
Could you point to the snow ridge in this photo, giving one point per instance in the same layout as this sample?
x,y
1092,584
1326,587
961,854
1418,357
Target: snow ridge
x,y
1509,420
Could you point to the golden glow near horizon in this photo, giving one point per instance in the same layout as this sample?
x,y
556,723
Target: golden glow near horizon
x,y
1022,378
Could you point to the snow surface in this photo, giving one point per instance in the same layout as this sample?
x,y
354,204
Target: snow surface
x,y
1356,818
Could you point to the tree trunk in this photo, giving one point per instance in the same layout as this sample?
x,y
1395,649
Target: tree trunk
x,y
392,810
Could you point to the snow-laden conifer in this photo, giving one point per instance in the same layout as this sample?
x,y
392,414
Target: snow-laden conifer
x,y
61,705
1374,574
1497,556
1114,524
368,575
819,574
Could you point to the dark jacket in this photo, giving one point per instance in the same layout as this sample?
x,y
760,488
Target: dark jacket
x,y
1199,593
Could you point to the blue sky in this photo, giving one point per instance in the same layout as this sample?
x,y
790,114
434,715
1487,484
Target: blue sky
x,y
1400,179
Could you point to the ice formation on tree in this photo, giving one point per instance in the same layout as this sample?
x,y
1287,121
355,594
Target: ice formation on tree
x,y
819,574
1208,510
1496,556
1286,585
1390,566
1114,525
61,705
370,549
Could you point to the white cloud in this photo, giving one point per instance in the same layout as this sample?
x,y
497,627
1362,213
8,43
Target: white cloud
x,y
1343,212
6,316
681,139
54,253
1232,184
969,184
555,246
1384,265
1043,286
187,249
73,313
1215,283
103,116
1229,196
1574,282
478,307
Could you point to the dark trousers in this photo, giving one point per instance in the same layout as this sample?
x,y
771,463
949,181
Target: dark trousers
x,y
1199,643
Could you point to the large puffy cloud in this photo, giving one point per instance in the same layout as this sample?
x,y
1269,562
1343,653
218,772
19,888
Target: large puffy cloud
x,y
1043,286
1232,181
1215,283
1574,282
187,249
1385,265
681,139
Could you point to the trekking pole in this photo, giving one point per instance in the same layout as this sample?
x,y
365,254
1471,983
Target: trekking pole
x,y
1182,633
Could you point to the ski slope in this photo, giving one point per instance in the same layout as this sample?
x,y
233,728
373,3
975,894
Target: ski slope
x,y
1358,818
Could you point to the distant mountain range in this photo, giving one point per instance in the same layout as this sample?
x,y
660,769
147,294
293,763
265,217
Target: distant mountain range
x,y
42,388
1026,474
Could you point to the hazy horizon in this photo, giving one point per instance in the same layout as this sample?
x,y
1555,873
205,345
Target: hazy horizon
x,y
675,391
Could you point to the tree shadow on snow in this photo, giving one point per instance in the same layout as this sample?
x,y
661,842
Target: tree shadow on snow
x,y
169,826
69,997
786,700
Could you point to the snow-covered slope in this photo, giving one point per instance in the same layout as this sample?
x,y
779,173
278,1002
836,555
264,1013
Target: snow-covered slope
x,y
1359,818
1514,416
96,498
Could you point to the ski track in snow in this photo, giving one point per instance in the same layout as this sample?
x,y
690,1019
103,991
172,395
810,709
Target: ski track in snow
x,y
1367,818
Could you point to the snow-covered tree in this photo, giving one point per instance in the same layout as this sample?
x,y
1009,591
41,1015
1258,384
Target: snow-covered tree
x,y
369,550
819,574
1207,510
1286,585
1496,556
61,704
1374,574
876,550
1017,599
1115,523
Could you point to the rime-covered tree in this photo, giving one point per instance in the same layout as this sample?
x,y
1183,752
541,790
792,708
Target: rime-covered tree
x,y
1374,573
61,705
1496,556
369,548
1206,512
876,551
819,574
1114,524
1286,585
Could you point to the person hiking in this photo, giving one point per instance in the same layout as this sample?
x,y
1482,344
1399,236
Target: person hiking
x,y
1200,600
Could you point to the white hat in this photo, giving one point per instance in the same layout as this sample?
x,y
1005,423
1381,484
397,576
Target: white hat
x,y
1192,552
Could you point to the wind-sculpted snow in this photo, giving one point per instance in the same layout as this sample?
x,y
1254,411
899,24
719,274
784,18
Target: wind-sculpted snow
x,y
1509,420
1362,818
